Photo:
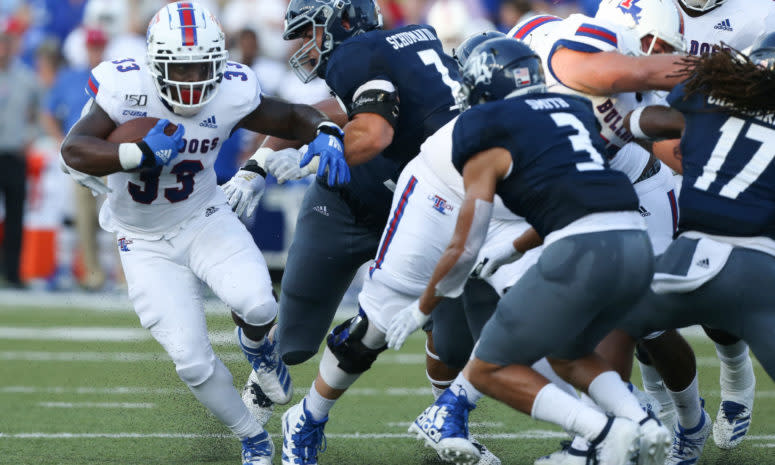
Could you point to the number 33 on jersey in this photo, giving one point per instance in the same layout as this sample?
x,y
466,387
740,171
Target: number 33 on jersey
x,y
153,202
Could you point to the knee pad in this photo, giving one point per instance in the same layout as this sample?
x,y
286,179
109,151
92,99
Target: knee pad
x,y
196,373
259,314
642,354
346,343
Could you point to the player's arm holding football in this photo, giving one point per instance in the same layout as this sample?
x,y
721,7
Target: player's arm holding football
x,y
86,149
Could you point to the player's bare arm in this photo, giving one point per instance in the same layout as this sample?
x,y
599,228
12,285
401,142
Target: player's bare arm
x,y
606,73
85,147
332,110
285,120
480,175
365,137
659,122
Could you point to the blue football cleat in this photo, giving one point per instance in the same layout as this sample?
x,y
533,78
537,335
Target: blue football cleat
x,y
257,450
272,374
444,427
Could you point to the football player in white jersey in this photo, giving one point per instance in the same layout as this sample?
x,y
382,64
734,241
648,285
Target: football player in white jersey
x,y
173,224
710,24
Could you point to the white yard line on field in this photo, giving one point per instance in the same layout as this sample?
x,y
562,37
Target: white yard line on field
x,y
97,404
530,434
134,357
165,391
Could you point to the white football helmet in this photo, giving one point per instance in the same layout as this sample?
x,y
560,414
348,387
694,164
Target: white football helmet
x,y
658,18
186,53
701,5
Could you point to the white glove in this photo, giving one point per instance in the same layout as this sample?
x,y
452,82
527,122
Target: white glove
x,y
86,180
244,190
405,323
284,165
493,257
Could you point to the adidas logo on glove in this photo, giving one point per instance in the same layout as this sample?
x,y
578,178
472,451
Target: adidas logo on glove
x,y
164,155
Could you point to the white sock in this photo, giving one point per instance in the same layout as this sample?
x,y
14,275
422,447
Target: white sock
x,y
556,406
437,392
612,395
217,393
317,405
589,402
462,384
687,405
737,377
652,384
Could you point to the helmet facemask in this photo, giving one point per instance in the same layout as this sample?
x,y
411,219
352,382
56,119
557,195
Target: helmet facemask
x,y
186,55
317,21
701,5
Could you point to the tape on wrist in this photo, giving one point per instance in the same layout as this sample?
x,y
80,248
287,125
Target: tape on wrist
x,y
635,128
261,155
130,156
330,128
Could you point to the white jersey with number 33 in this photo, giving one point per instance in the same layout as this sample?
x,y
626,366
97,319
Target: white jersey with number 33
x,y
155,203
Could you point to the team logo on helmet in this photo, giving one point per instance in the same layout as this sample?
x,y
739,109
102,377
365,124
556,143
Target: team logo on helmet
x,y
631,7
480,67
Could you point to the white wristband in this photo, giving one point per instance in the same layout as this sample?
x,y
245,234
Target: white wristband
x,y
130,156
261,155
635,128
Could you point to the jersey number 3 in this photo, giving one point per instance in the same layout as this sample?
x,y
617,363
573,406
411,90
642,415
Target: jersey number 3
x,y
147,193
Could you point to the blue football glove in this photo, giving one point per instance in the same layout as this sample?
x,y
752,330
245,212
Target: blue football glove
x,y
329,145
158,148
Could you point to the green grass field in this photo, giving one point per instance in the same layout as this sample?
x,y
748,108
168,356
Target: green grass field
x,y
89,387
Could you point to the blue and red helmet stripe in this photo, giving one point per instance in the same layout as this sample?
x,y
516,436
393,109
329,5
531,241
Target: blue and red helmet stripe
x,y
597,32
534,23
187,24
92,86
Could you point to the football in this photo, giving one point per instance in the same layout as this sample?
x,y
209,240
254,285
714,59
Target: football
x,y
135,129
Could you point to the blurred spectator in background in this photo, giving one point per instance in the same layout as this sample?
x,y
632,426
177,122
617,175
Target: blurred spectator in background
x,y
454,20
265,17
61,111
512,12
50,19
19,97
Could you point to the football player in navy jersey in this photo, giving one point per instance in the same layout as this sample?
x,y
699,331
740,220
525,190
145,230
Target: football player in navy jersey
x,y
397,88
586,216
713,273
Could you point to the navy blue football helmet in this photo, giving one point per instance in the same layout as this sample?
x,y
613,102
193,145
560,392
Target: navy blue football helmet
x,y
335,21
763,51
461,53
500,68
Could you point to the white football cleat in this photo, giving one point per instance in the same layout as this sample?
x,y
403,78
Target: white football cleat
x,y
732,424
688,443
444,427
654,441
257,450
618,443
486,457
271,372
568,455
303,437
259,405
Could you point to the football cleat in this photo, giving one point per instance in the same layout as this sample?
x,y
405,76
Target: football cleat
x,y
259,405
732,424
257,450
647,402
654,441
617,444
272,374
444,427
485,456
568,455
688,443
303,437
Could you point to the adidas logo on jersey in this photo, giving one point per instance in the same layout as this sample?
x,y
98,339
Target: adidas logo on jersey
x,y
643,212
724,25
322,209
209,123
703,263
